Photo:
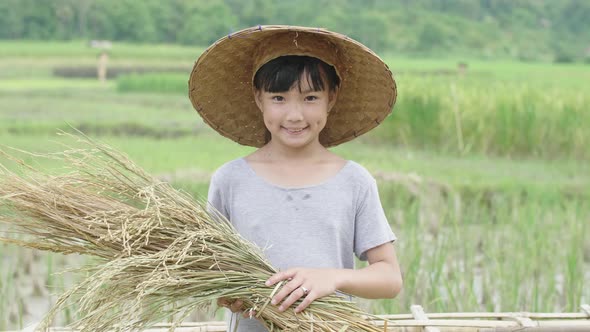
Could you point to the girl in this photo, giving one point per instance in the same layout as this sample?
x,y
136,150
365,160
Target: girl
x,y
292,92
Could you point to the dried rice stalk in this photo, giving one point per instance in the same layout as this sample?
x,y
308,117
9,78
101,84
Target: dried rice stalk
x,y
162,255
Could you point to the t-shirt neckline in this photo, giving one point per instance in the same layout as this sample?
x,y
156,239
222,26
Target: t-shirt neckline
x,y
311,186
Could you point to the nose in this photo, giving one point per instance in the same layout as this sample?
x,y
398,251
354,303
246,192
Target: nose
x,y
295,112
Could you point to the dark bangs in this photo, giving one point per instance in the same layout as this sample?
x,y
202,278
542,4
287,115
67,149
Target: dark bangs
x,y
280,74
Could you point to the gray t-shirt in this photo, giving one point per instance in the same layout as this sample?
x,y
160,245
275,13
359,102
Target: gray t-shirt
x,y
318,226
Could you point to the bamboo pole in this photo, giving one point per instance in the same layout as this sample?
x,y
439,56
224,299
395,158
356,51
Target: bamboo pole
x,y
451,327
585,328
419,313
493,315
419,321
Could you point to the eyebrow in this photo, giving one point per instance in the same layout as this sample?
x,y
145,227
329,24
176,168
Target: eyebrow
x,y
302,91
310,90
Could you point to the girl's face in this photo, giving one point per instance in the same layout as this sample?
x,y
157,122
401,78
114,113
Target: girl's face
x,y
295,118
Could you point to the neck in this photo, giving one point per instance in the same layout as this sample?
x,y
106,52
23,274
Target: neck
x,y
278,153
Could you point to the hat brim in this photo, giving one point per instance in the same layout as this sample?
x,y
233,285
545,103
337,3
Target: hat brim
x,y
220,85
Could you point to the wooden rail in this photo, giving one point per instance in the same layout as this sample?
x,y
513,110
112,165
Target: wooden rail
x,y
419,321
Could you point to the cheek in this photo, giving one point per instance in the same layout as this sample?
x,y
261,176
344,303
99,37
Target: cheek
x,y
270,116
320,117
320,123
267,119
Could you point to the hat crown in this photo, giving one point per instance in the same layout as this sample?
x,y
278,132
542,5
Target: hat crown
x,y
220,85
296,43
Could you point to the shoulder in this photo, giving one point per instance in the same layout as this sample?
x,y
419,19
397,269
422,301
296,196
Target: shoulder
x,y
358,173
356,178
229,171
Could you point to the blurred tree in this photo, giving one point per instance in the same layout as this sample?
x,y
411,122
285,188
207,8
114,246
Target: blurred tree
x,y
168,18
122,20
576,16
205,22
82,9
11,20
39,21
465,8
370,28
359,20
431,37
531,29
99,21
65,14
254,12
298,13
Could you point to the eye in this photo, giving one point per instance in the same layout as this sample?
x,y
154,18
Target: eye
x,y
278,98
311,98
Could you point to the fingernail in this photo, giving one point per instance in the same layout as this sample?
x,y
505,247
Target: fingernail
x,y
273,302
281,308
267,283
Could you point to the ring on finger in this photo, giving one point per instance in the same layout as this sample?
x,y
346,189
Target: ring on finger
x,y
305,290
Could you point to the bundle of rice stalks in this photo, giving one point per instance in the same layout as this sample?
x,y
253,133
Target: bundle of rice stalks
x,y
161,254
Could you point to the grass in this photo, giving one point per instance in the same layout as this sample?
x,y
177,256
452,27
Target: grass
x,y
497,253
472,174
37,112
504,108
509,119
35,59
497,222
51,84
159,83
542,73
78,49
464,114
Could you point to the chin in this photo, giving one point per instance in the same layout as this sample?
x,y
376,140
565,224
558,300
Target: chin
x,y
296,143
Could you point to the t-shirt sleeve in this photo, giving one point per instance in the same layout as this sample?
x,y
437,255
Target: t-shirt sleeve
x,y
371,226
217,195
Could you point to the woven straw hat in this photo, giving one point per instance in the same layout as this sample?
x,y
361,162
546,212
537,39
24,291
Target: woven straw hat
x,y
221,89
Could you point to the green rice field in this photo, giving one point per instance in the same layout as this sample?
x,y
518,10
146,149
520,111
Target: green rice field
x,y
484,174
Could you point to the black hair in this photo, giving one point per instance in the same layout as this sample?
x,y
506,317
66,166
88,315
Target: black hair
x,y
280,74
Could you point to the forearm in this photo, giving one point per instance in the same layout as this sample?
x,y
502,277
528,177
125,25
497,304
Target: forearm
x,y
378,280
381,279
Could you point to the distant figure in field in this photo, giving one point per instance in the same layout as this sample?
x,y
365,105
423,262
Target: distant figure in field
x,y
462,68
101,69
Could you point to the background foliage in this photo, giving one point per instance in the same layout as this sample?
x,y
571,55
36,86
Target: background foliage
x,y
524,29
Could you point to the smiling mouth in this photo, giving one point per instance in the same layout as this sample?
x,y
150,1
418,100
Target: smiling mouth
x,y
295,130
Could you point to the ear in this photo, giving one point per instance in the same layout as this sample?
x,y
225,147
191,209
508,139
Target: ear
x,y
258,99
333,96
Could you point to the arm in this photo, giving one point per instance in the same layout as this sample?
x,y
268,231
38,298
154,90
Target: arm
x,y
380,279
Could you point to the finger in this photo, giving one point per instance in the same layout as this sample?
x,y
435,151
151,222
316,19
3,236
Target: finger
x,y
223,302
236,306
306,302
292,298
283,275
250,313
285,291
